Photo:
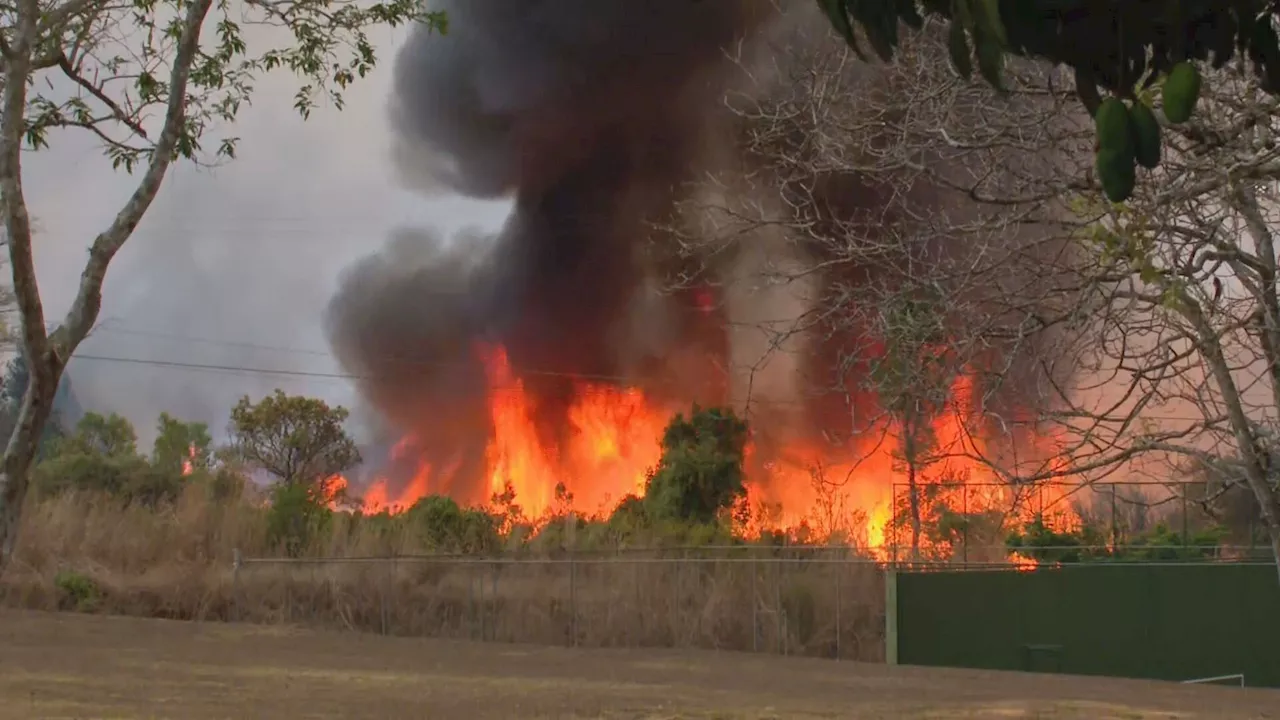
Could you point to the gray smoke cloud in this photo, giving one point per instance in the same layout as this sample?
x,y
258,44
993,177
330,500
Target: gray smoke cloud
x,y
231,267
603,121
590,115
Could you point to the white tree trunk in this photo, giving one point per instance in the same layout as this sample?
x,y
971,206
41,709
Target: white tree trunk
x,y
47,353
1255,475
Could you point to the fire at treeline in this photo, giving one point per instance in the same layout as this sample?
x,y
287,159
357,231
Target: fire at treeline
x,y
709,316
657,480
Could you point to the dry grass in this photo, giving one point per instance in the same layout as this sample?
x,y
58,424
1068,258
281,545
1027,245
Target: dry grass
x,y
177,563
78,666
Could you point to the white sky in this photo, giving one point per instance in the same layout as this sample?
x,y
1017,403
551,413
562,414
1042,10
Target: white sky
x,y
245,255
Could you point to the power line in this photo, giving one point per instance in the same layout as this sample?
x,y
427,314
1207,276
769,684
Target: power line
x,y
419,362
516,386
349,377
114,329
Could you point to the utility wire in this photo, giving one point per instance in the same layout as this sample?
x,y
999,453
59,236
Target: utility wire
x,y
343,376
115,329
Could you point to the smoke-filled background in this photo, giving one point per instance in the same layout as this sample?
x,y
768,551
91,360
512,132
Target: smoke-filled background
x,y
597,121
233,266
602,121
596,118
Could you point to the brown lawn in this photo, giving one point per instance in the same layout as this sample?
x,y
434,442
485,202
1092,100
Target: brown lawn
x,y
81,666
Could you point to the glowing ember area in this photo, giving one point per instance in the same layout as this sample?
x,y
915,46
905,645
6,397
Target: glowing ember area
x,y
1022,562
334,491
860,493
863,493
188,463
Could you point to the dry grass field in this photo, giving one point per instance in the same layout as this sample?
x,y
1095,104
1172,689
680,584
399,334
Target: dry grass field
x,y
86,666
176,563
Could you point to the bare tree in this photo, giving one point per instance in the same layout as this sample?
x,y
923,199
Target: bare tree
x,y
1111,339
152,82
1179,334
896,188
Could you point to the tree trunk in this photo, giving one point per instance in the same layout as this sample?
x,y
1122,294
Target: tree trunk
x,y
46,352
20,453
1255,463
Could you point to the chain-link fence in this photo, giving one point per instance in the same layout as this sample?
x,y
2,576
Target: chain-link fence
x,y
818,602
970,525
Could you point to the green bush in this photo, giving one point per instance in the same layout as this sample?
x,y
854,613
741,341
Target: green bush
x,y
1090,544
700,474
222,483
76,591
444,525
129,478
297,514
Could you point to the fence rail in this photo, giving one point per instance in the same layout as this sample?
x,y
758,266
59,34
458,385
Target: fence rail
x,y
1237,678
1121,510
793,600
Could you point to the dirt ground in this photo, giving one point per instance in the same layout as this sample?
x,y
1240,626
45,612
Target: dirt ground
x,y
79,666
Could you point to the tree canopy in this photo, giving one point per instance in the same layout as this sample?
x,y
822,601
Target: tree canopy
x,y
181,446
154,84
1124,49
1110,45
701,469
300,440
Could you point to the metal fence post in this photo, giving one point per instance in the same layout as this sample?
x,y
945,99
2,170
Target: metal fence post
x,y
235,584
288,592
1115,526
640,613
573,601
1186,530
471,603
780,646
388,582
839,567
493,602
891,616
677,612
755,599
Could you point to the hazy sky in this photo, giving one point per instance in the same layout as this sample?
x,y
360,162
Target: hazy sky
x,y
230,262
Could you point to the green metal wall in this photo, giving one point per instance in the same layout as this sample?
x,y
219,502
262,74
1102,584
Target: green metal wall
x,y
1169,622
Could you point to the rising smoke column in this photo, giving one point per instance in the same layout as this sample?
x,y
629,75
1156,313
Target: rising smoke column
x,y
590,115
603,120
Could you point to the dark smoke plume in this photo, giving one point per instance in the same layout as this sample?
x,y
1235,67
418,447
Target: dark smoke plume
x,y
589,114
600,119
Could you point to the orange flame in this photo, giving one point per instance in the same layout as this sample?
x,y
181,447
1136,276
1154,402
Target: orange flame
x,y
857,490
188,463
333,491
612,445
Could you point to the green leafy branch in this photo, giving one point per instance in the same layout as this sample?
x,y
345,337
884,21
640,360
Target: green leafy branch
x,y
1122,49
117,56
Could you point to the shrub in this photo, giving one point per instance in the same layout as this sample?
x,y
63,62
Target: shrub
x,y
441,524
297,514
700,474
129,478
76,591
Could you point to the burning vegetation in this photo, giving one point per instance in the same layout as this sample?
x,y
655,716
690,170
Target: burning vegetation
x,y
541,367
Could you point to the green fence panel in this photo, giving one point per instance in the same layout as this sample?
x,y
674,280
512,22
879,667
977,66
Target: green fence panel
x,y
1170,622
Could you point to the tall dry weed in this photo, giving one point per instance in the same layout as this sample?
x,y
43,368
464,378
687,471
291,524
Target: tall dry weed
x,y
177,562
